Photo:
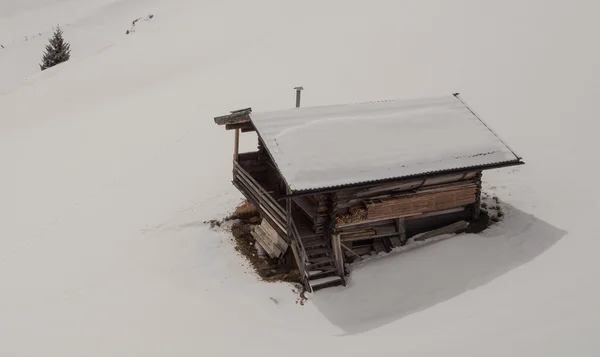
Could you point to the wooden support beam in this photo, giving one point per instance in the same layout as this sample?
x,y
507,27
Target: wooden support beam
x,y
399,222
245,125
350,250
449,229
236,145
370,223
336,245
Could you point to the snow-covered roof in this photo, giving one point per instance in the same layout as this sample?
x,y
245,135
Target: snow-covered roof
x,y
337,145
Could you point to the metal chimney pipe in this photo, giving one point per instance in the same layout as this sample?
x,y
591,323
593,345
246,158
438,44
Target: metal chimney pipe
x,y
298,90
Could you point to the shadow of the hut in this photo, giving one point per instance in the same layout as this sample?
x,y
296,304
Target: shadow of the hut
x,y
388,288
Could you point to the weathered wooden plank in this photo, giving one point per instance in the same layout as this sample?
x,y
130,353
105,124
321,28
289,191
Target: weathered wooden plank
x,y
359,251
418,209
307,207
357,236
379,236
264,209
374,222
416,197
261,202
300,264
260,190
269,239
255,168
236,145
347,250
261,197
449,229
234,118
399,223
422,203
337,253
378,245
238,126
275,222
396,241
362,225
397,186
405,185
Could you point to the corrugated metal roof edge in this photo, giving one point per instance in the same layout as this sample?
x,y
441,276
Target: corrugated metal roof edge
x,y
322,106
457,96
326,189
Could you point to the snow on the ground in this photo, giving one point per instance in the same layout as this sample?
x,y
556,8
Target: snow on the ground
x,y
91,26
111,163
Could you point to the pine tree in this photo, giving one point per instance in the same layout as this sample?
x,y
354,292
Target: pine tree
x,y
57,51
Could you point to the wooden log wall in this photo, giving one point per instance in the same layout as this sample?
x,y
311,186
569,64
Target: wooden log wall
x,y
321,218
349,199
424,201
384,204
476,206
319,210
395,211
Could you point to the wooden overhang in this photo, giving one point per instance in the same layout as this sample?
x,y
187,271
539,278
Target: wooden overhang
x,y
237,119
365,185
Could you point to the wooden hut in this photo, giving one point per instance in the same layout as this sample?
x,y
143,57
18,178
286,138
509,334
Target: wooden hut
x,y
336,182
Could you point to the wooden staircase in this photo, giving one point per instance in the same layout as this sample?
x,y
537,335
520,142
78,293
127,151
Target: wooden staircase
x,y
319,267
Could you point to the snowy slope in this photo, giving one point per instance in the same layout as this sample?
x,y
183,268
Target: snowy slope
x,y
111,163
90,25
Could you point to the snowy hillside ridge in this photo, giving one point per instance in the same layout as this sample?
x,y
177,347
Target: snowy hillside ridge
x,y
89,25
111,163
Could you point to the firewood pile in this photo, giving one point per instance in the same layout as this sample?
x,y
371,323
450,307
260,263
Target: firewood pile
x,y
355,215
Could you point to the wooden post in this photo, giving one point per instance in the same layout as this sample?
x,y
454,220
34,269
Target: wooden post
x,y
336,245
476,208
401,230
236,145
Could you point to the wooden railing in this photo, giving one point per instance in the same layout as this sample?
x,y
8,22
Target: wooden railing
x,y
274,213
260,197
299,252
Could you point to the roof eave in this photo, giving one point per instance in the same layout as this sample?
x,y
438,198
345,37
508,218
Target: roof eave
x,y
364,184
235,117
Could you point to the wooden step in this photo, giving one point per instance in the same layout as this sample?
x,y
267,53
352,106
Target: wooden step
x,y
319,261
318,251
325,282
322,272
314,243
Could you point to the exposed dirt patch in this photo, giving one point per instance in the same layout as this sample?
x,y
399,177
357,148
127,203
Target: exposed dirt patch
x,y
245,211
491,213
493,207
242,220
